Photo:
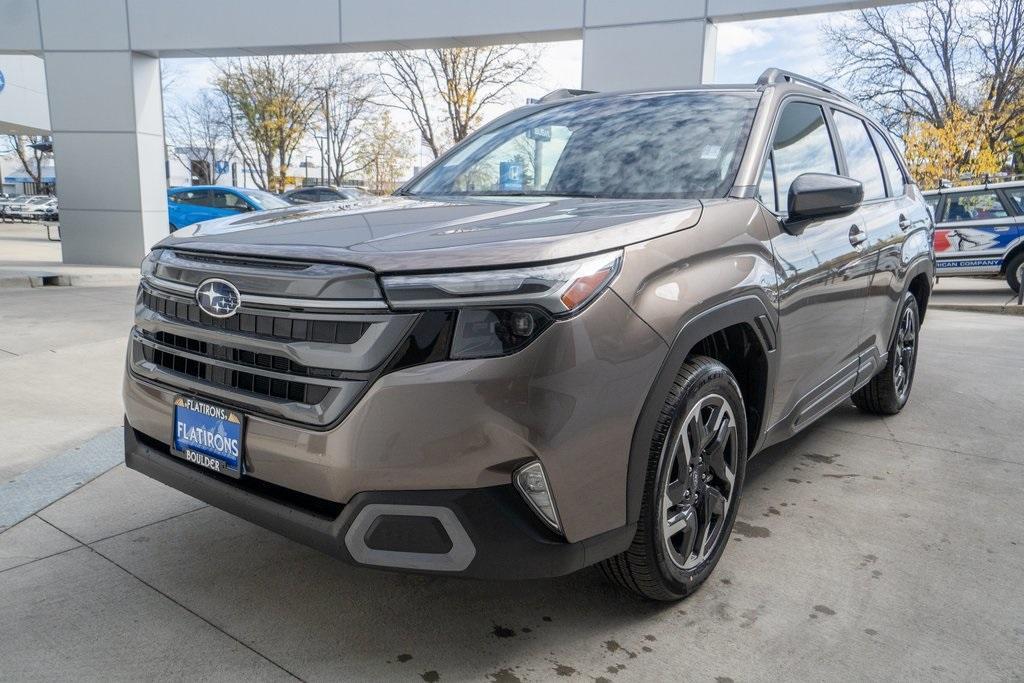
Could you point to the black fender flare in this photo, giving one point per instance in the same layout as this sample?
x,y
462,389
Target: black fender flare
x,y
922,264
752,309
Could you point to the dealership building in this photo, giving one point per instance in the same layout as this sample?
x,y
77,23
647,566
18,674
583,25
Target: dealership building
x,y
89,73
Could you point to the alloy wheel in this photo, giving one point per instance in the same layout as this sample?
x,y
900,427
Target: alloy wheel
x,y
906,348
700,483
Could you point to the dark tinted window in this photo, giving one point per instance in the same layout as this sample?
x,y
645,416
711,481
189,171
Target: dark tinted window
x,y
196,197
674,145
1017,196
766,188
893,172
974,206
861,159
802,145
303,197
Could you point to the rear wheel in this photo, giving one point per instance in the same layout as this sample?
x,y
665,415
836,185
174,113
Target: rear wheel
x,y
889,390
1013,272
694,478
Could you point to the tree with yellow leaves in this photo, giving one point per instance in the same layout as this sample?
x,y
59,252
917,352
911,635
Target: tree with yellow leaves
x,y
961,146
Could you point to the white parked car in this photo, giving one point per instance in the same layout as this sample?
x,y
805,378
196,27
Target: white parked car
x,y
37,207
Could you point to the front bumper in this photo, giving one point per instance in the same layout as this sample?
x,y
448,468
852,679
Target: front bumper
x,y
570,400
481,533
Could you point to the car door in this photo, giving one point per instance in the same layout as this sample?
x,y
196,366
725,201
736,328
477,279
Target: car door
x,y
225,203
973,232
823,276
185,207
888,218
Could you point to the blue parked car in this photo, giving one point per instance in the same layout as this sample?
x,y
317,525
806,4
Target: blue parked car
x,y
188,205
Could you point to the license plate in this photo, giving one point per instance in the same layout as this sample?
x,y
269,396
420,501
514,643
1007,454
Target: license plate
x,y
208,435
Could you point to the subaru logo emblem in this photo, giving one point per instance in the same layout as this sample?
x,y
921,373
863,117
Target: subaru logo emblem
x,y
218,298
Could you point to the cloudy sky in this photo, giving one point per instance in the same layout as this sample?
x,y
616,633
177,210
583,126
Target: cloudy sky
x,y
744,50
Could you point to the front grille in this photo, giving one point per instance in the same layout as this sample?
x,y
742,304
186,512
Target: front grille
x,y
297,363
239,380
253,359
267,326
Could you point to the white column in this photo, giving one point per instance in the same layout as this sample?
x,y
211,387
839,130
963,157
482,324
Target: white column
x,y
107,119
648,55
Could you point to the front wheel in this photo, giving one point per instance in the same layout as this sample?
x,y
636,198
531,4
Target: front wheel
x,y
695,475
889,390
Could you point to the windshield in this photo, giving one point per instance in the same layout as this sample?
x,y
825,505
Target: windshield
x,y
679,145
265,200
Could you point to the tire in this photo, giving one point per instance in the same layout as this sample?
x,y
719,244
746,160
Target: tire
x,y
1011,272
889,390
680,536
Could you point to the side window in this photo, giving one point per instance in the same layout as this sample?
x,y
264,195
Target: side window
x,y
933,204
228,200
893,171
194,197
766,188
861,159
1017,195
802,145
973,206
304,197
233,201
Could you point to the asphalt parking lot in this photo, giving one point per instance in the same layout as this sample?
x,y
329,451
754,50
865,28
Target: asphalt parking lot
x,y
866,548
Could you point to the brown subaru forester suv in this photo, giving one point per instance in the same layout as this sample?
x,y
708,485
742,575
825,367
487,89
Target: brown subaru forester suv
x,y
558,345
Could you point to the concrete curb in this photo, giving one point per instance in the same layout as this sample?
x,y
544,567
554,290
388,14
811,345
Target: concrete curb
x,y
25,280
1001,309
34,490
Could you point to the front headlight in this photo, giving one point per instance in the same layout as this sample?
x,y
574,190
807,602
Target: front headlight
x,y
501,311
559,288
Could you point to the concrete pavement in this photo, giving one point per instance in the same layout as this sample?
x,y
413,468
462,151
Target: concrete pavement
x,y
866,548
61,359
29,259
975,294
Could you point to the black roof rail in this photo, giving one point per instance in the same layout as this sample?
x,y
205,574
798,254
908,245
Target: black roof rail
x,y
775,75
564,94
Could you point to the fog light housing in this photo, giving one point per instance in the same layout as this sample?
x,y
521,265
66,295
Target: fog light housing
x,y
532,483
493,332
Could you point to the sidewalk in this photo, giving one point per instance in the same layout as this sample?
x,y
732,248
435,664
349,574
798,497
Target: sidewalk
x,y
975,294
62,355
29,259
865,548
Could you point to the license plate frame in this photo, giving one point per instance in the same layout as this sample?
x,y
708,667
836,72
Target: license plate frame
x,y
204,437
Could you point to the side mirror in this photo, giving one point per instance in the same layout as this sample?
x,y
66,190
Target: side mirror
x,y
813,195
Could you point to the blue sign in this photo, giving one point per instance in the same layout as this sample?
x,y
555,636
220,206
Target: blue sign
x,y
221,167
510,175
3,81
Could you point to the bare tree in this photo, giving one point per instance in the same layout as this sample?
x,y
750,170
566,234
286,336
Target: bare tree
x,y
914,63
200,130
347,93
384,153
272,101
446,90
31,152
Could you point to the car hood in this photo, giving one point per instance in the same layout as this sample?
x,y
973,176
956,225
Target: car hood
x,y
394,234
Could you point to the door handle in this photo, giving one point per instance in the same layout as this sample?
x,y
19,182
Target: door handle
x,y
857,236
904,223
